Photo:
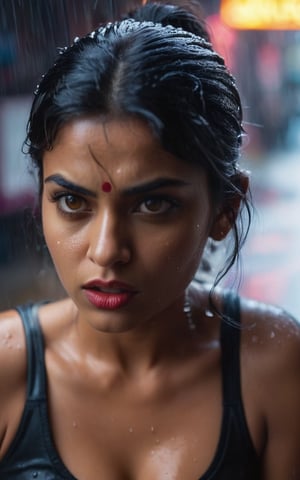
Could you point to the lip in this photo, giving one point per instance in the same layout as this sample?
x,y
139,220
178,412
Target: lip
x,y
108,295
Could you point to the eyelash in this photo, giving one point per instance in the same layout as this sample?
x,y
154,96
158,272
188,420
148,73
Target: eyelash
x,y
59,197
173,204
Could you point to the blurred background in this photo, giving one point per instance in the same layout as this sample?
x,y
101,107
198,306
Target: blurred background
x,y
260,40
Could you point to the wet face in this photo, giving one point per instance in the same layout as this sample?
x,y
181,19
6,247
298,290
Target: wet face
x,y
125,222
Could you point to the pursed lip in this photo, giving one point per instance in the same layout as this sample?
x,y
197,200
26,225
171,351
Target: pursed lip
x,y
113,286
108,295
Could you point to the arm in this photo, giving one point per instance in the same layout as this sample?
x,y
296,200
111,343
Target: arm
x,y
12,376
282,404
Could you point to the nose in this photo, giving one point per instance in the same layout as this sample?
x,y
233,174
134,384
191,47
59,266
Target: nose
x,y
108,242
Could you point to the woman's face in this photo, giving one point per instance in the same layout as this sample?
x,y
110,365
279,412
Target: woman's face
x,y
125,221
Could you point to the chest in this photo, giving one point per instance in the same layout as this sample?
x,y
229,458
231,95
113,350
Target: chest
x,y
135,431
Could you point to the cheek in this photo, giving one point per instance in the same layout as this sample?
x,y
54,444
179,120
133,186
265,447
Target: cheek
x,y
181,250
172,265
62,247
62,244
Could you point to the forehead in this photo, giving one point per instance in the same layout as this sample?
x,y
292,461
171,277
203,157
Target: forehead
x,y
126,134
121,147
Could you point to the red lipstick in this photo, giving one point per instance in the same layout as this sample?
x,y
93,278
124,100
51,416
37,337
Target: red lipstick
x,y
108,295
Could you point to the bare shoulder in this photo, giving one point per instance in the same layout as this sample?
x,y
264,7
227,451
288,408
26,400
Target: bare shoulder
x,y
13,353
271,365
13,364
52,317
271,343
270,329
12,348
13,367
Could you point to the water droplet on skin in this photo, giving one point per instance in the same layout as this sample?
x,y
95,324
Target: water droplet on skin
x,y
272,335
130,429
74,424
254,339
157,441
152,429
208,313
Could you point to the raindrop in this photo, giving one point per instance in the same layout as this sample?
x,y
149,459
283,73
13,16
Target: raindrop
x,y
35,474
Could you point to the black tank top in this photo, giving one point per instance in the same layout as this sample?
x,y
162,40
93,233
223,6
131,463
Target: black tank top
x,y
32,454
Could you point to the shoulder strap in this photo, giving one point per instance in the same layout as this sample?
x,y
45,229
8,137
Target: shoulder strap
x,y
230,345
36,376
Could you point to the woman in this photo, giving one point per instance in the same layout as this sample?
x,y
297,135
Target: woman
x,y
141,373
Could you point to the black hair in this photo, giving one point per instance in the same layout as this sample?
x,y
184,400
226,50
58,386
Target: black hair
x,y
173,15
156,64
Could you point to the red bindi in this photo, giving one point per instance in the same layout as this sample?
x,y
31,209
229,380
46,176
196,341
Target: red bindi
x,y
106,187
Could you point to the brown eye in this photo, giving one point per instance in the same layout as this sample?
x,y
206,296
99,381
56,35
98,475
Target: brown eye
x,y
156,205
71,204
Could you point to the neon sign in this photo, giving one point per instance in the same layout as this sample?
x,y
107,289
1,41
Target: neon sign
x,y
261,14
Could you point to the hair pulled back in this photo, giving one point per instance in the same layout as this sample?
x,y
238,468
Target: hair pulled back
x,y
155,64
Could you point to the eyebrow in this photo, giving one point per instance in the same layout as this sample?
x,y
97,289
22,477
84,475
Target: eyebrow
x,y
134,190
63,182
155,185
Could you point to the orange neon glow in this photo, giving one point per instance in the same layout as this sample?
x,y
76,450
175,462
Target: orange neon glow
x,y
261,14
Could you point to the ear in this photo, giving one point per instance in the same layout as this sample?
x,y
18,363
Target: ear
x,y
228,211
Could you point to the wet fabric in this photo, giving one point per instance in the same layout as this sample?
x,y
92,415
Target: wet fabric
x,y
32,454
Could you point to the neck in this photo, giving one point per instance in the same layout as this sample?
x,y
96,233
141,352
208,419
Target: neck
x,y
157,341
